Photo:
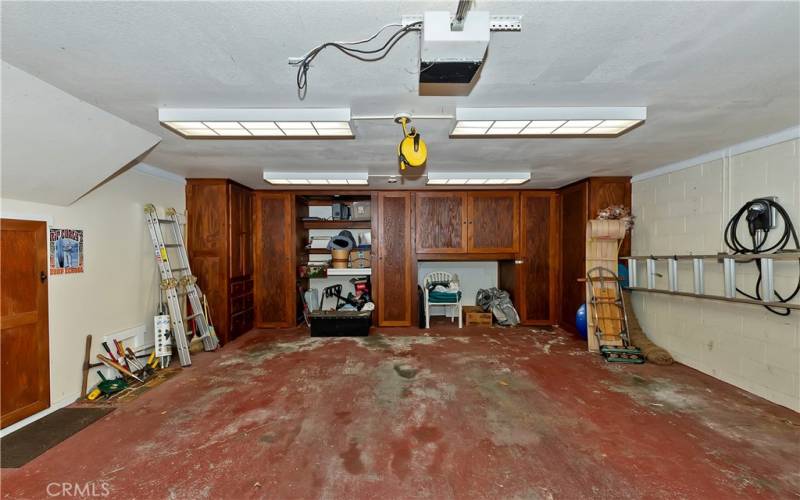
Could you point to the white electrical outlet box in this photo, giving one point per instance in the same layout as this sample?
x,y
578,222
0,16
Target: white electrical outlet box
x,y
163,343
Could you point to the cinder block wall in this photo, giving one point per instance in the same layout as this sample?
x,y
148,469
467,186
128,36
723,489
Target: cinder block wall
x,y
686,211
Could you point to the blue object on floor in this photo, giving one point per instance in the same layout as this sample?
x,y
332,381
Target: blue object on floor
x,y
580,321
622,274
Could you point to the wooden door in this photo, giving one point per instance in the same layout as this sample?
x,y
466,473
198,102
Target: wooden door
x,y
493,222
274,270
539,269
208,246
441,222
24,349
395,282
240,225
574,210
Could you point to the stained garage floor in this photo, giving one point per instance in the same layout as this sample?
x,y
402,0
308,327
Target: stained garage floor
x,y
472,413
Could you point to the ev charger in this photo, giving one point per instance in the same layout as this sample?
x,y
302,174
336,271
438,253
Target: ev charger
x,y
450,61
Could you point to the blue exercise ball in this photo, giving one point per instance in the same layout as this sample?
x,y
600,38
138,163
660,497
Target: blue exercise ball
x,y
580,321
622,274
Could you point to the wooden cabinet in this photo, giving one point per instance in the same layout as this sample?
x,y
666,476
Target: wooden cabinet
x,y
580,202
493,222
275,259
395,281
441,222
241,229
467,222
219,245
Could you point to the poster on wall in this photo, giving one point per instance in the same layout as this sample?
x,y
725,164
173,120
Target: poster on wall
x,y
66,251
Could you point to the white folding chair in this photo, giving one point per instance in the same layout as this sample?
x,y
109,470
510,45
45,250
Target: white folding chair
x,y
455,307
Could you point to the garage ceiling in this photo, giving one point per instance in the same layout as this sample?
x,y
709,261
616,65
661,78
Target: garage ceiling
x,y
712,74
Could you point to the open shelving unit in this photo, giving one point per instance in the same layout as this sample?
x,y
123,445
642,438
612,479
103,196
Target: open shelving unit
x,y
319,205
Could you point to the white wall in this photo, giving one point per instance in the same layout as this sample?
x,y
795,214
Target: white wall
x,y
473,276
118,290
686,211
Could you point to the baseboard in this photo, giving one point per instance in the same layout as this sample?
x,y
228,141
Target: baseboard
x,y
63,403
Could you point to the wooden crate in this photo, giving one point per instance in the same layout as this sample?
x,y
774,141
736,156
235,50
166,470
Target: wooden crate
x,y
475,316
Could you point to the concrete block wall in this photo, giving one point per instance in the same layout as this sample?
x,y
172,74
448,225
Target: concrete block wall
x,y
686,211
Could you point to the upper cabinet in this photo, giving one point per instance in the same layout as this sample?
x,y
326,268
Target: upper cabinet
x,y
493,222
441,222
241,228
467,222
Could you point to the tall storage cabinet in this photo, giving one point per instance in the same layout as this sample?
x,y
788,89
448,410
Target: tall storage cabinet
x,y
532,277
395,280
275,260
219,243
580,202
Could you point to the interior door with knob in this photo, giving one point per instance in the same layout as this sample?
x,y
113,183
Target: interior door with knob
x,y
24,337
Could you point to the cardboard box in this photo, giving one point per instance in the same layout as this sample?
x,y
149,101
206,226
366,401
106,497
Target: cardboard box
x,y
475,316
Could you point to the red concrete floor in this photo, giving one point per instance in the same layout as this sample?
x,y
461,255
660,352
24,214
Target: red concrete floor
x,y
473,413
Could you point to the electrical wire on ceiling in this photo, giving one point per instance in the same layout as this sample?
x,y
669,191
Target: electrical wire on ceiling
x,y
345,47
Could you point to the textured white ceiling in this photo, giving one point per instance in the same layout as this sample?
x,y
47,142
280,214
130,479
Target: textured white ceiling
x,y
712,74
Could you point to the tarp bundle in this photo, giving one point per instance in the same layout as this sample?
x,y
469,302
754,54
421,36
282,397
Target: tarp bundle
x,y
499,302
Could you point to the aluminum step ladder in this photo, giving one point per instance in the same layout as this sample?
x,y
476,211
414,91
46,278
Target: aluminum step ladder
x,y
175,278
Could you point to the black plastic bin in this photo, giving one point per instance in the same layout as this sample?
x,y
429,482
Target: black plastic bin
x,y
340,323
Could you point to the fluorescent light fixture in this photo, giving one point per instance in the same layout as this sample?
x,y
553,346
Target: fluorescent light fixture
x,y
318,178
479,179
258,123
547,122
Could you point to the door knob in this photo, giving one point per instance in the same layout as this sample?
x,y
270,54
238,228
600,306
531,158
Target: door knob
x,y
42,276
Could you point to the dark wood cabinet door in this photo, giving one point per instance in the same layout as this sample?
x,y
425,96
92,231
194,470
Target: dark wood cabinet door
x,y
493,222
274,273
440,222
538,271
241,241
574,209
395,281
207,210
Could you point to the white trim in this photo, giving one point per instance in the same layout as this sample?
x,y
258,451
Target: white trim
x,y
63,403
144,168
736,149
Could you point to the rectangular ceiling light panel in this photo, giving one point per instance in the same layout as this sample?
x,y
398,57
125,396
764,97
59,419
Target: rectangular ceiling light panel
x,y
477,179
547,122
317,178
241,123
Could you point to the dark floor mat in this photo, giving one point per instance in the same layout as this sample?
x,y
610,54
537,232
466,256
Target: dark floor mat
x,y
22,446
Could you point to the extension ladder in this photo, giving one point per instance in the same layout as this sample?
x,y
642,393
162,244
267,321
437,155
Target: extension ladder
x,y
767,292
173,278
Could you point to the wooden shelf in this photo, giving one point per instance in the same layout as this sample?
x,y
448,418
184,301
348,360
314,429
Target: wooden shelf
x,y
317,251
337,224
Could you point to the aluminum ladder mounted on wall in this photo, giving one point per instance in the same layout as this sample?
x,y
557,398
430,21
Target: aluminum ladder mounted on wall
x,y
728,262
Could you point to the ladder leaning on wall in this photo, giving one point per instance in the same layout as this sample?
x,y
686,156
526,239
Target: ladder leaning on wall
x,y
177,282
